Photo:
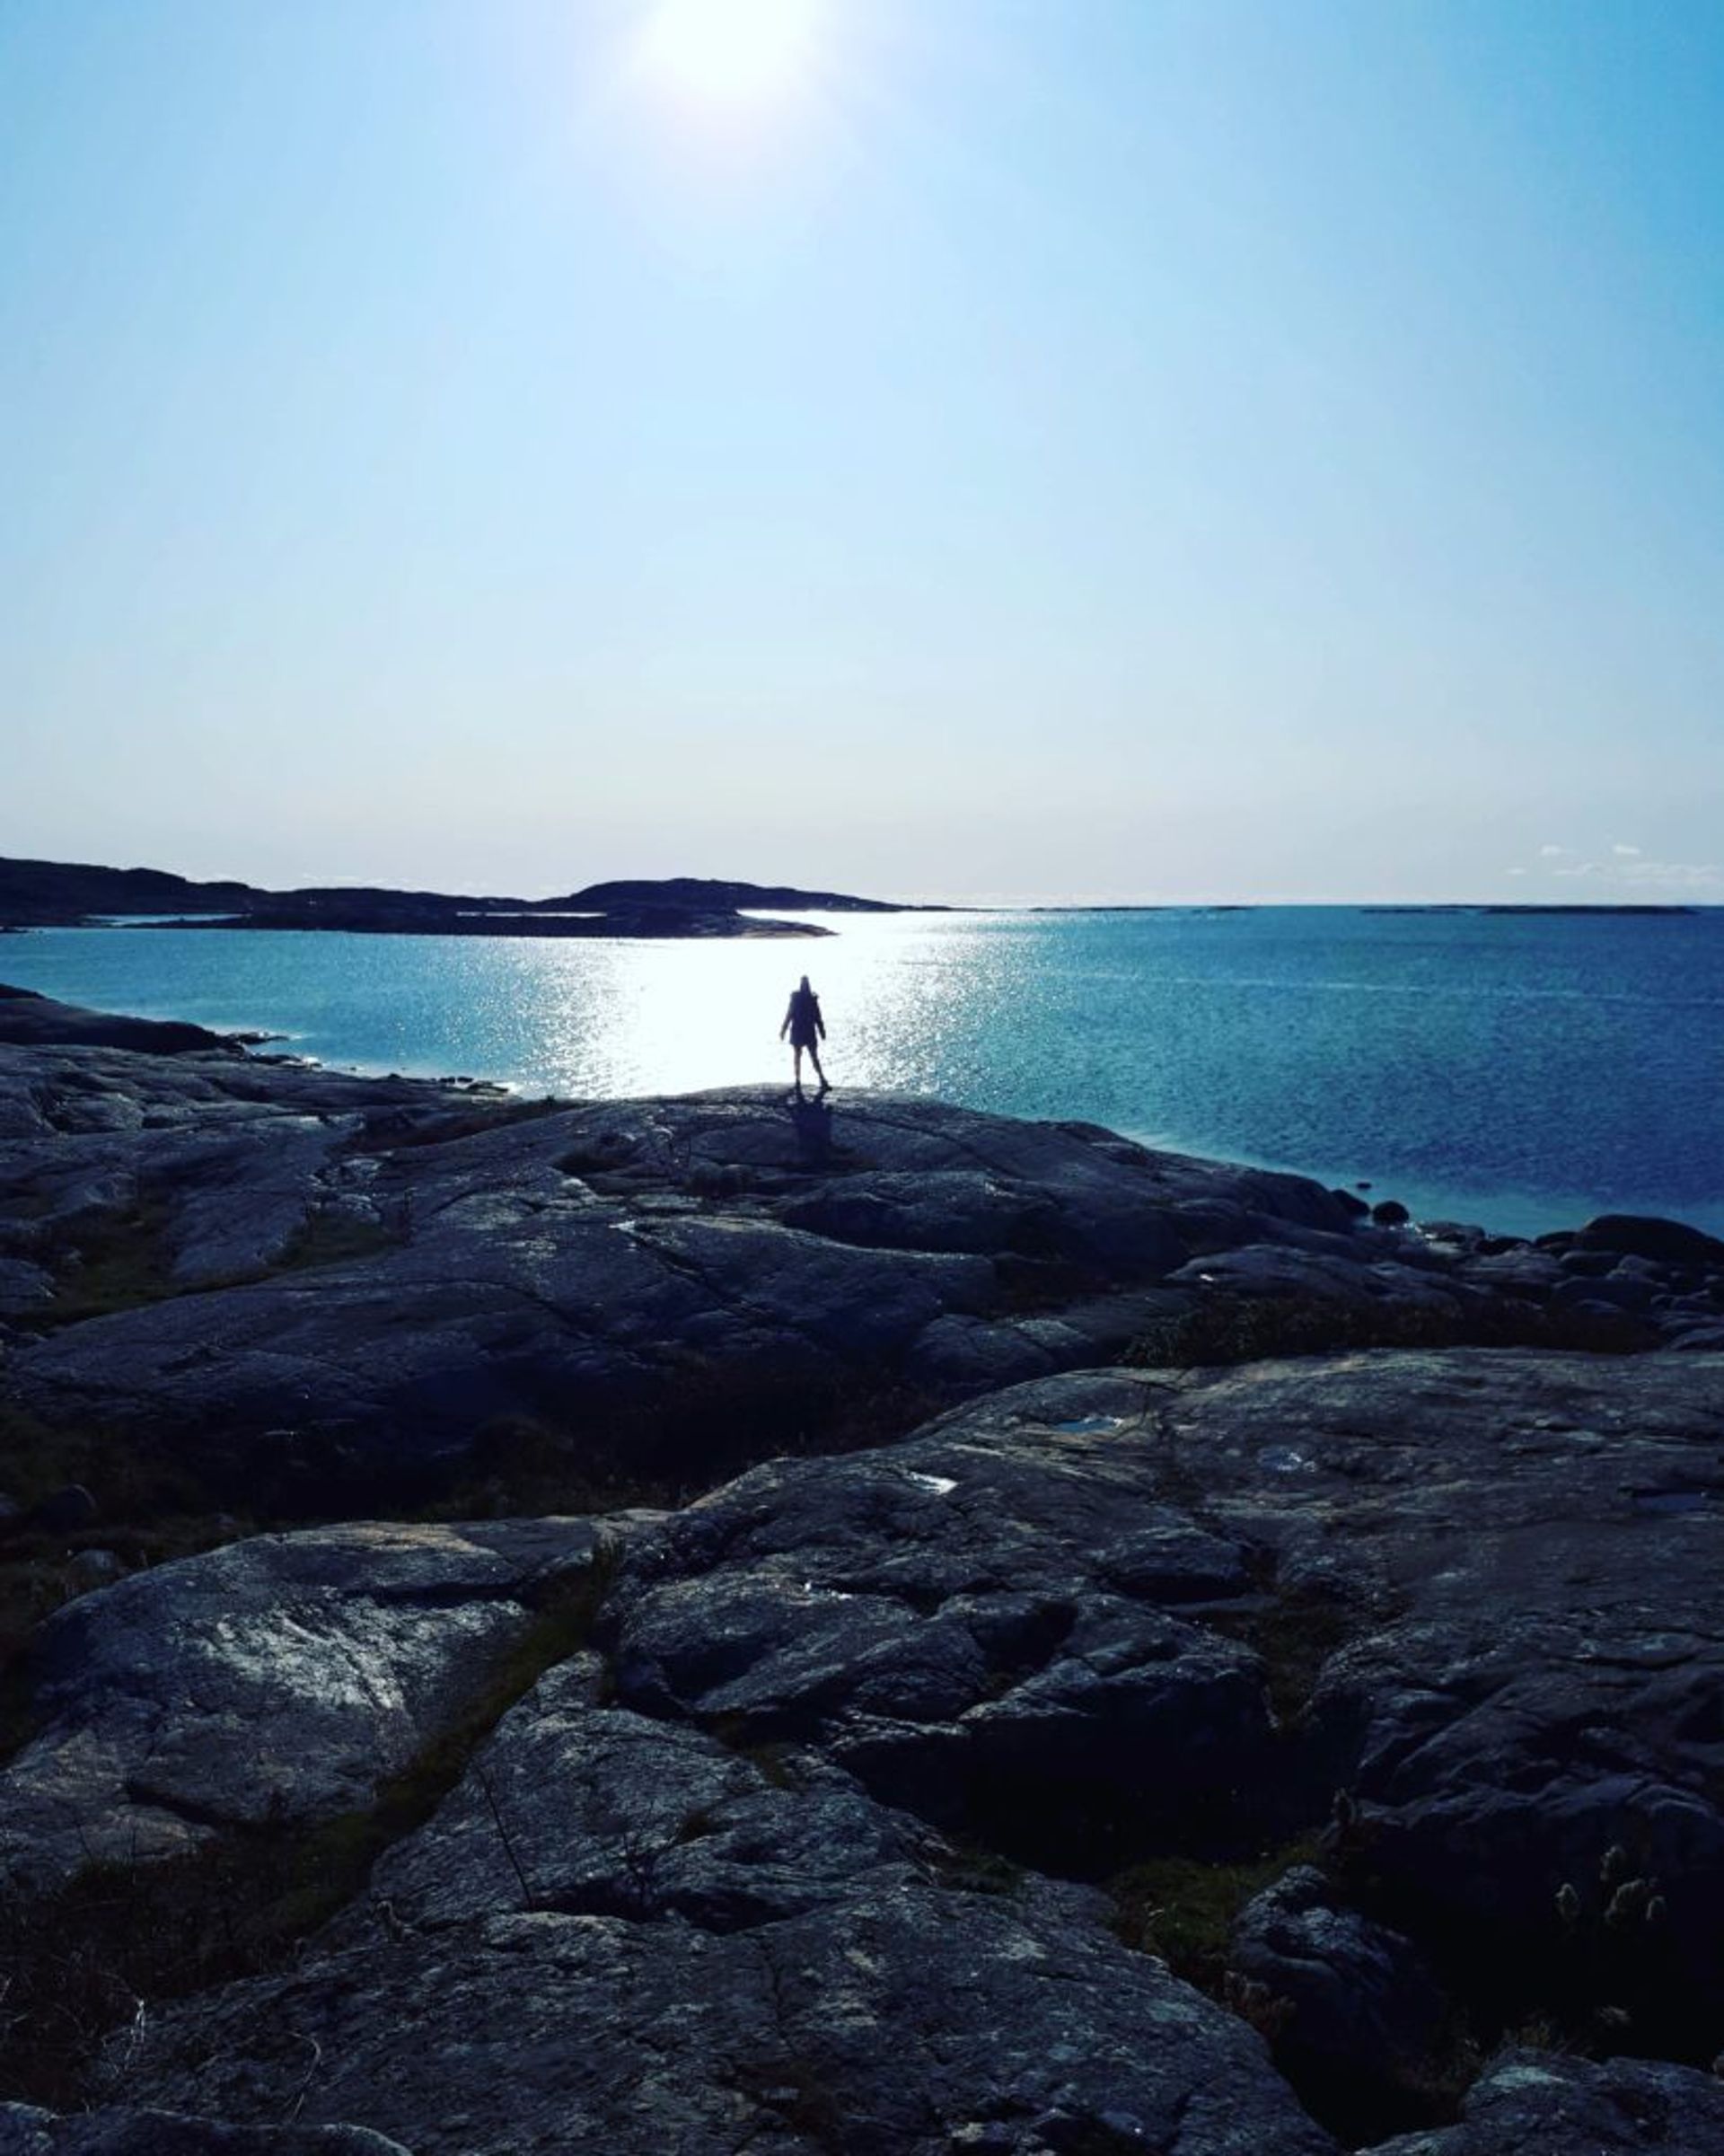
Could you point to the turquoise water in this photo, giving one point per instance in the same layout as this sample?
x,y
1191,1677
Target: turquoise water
x,y
1524,1071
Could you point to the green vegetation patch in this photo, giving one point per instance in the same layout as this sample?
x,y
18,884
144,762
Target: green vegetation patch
x,y
1183,1909
1293,1635
122,1261
333,1237
1223,1329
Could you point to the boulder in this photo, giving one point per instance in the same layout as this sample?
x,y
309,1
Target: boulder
x,y
1358,2015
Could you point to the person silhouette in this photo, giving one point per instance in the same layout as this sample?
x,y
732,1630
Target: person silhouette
x,y
804,1025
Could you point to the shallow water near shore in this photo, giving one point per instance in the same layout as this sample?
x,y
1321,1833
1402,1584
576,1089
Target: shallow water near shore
x,y
1522,1071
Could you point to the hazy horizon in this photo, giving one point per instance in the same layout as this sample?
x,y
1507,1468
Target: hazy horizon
x,y
1161,454
1000,901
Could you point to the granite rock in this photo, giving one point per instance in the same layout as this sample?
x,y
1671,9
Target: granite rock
x,y
1531,2103
280,1679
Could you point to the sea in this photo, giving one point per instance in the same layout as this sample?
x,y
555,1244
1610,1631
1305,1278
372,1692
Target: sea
x,y
1522,1071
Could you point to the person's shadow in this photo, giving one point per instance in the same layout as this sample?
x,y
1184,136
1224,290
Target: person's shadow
x,y
812,1120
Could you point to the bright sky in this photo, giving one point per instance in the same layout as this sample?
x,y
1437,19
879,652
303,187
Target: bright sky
x,y
959,448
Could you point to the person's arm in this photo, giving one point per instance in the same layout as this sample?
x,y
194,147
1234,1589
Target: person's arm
x,y
786,1026
820,1023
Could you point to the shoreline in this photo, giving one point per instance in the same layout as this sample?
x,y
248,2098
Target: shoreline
x,y
1506,1211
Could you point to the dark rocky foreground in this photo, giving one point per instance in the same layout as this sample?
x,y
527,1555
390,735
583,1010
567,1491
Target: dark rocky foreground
x,y
1236,1751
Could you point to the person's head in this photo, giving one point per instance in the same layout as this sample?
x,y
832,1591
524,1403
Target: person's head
x,y
806,989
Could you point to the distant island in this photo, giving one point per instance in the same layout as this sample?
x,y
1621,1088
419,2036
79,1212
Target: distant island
x,y
36,894
1613,906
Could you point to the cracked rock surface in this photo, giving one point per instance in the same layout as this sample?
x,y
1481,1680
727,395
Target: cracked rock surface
x,y
817,1833
378,1269
622,1934
281,1679
796,1854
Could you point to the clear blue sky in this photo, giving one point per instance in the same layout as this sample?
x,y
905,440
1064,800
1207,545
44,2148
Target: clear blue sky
x,y
1092,448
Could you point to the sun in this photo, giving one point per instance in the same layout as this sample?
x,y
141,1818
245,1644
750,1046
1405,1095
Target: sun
x,y
731,52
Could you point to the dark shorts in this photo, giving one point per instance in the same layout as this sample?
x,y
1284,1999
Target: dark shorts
x,y
802,1036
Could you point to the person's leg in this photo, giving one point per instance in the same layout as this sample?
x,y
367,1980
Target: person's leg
x,y
814,1057
797,1051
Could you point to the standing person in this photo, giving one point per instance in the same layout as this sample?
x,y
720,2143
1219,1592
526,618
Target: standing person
x,y
804,1025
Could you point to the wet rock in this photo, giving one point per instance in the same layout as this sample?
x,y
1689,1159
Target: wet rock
x,y
1459,1236
1520,1272
1612,1293
1389,1212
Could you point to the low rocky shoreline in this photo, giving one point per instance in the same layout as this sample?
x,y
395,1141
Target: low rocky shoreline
x,y
873,1627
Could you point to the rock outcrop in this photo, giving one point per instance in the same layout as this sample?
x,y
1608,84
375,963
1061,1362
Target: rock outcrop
x,y
805,1846
31,1021
1214,1755
321,1280
300,1271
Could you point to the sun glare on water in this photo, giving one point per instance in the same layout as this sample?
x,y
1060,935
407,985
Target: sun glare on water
x,y
732,53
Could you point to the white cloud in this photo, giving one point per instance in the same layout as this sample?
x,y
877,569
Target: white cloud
x,y
1551,853
1696,879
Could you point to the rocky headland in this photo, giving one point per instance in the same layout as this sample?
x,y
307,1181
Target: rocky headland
x,y
727,1623
67,894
